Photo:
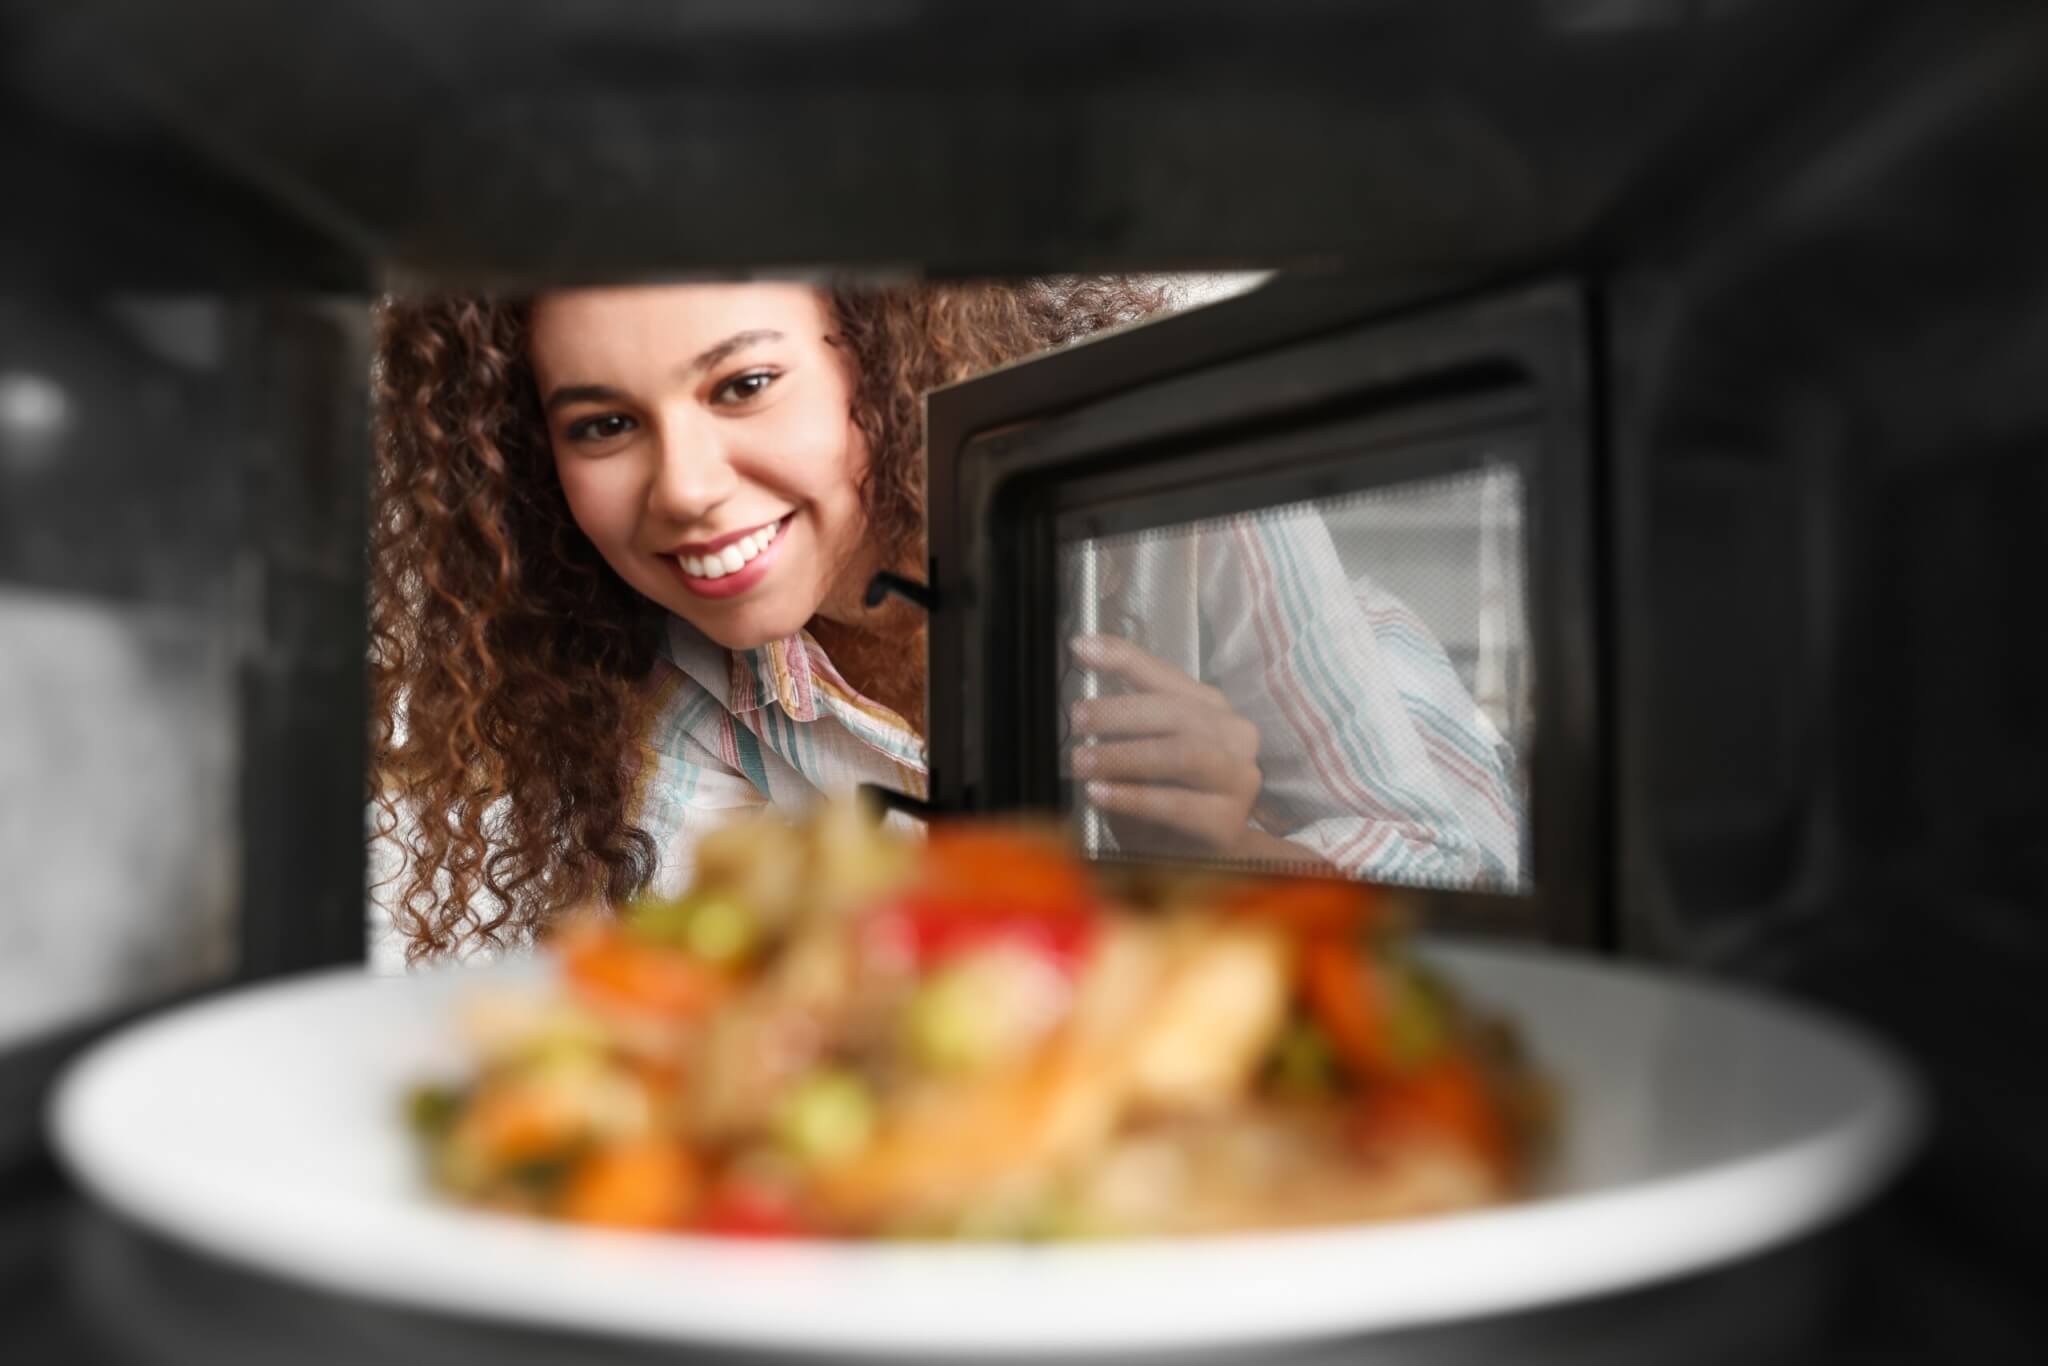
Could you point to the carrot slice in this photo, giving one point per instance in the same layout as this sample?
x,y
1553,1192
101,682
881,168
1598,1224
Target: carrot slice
x,y
1013,869
610,969
1322,906
1346,996
512,1123
1446,1101
649,1183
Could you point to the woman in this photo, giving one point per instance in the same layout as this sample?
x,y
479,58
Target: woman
x,y
621,542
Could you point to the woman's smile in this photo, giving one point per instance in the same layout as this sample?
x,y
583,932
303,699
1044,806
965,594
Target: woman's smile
x,y
729,565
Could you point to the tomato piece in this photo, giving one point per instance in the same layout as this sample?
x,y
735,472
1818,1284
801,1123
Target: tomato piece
x,y
944,930
931,931
980,886
736,1210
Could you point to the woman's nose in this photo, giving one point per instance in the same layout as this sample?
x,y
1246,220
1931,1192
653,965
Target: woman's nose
x,y
693,472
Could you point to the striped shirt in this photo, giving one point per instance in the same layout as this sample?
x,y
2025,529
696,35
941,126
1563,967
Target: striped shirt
x,y
738,729
1373,754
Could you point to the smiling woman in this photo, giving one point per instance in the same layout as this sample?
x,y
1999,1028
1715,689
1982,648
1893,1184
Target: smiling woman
x,y
722,486
620,542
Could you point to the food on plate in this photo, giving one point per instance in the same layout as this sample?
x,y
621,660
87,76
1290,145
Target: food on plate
x,y
842,1031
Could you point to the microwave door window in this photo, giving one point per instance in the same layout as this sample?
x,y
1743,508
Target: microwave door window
x,y
1340,683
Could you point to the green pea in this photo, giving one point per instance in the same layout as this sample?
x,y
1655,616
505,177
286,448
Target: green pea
x,y
1303,1064
713,926
719,930
664,920
1416,1026
829,1116
431,1110
946,1027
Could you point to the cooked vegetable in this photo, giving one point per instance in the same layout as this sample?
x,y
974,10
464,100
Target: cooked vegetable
x,y
1447,1101
1417,1022
1006,869
719,929
738,1210
833,1031
715,926
1303,1065
828,1118
431,1110
1312,906
642,1183
986,1008
1349,999
609,970
933,929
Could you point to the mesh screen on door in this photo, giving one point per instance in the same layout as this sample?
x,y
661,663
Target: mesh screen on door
x,y
1342,682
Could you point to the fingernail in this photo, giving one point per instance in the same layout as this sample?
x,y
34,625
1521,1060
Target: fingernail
x,y
1087,649
1084,761
1077,715
1098,793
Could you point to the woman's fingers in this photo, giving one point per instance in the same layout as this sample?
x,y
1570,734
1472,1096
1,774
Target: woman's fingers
x,y
1145,672
1157,713
1175,756
1212,819
1191,761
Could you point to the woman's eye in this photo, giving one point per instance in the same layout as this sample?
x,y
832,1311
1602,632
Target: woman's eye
x,y
602,428
740,388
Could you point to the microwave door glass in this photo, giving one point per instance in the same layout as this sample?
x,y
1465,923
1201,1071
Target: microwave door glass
x,y
1342,682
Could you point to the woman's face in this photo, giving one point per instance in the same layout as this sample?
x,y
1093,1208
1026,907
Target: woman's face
x,y
705,439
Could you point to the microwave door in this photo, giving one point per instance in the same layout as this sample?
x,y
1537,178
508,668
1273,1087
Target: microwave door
x,y
1317,603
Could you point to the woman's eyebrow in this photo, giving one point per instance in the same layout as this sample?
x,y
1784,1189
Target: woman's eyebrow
x,y
710,356
582,393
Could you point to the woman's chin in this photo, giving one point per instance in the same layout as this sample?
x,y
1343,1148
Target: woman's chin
x,y
748,630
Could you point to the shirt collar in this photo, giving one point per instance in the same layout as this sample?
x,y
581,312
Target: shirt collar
x,y
747,680
797,676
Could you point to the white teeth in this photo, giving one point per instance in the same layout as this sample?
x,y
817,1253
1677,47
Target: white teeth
x,y
732,558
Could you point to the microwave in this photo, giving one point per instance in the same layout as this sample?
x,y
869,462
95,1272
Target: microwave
x,y
1672,370
1374,533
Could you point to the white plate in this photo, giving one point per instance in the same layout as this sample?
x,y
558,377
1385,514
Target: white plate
x,y
1702,1124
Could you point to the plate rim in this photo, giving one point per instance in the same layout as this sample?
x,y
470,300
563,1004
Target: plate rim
x,y
1816,1180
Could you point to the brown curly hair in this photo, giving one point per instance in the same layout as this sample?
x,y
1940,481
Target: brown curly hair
x,y
510,664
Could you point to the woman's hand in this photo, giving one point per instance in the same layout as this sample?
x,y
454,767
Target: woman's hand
x,y
1171,753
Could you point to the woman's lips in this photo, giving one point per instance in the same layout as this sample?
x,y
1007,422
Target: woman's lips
x,y
755,555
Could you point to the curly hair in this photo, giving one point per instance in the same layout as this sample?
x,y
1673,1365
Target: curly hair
x,y
510,665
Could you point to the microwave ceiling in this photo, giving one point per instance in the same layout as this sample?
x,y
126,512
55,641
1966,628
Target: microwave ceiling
x,y
525,140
